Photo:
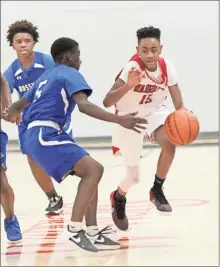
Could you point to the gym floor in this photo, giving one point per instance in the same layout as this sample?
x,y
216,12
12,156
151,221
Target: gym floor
x,y
187,237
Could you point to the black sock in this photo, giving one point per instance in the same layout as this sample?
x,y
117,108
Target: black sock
x,y
118,196
158,183
51,194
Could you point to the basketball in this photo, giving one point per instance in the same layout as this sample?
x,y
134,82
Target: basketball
x,y
182,127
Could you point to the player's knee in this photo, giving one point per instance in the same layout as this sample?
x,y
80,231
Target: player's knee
x,y
97,170
133,174
100,169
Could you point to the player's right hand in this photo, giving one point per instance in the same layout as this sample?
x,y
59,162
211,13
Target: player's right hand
x,y
134,78
130,121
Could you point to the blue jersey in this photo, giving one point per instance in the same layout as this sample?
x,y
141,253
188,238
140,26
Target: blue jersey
x,y
22,79
51,96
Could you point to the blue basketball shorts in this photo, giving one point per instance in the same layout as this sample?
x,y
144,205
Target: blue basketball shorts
x,y
23,127
54,150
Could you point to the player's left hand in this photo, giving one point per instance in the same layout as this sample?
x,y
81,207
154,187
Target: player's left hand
x,y
18,120
130,121
5,116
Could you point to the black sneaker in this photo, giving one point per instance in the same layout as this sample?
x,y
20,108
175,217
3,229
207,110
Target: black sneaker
x,y
158,198
102,242
55,206
81,240
118,212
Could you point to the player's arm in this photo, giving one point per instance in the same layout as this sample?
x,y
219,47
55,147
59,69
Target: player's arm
x,y
118,90
129,78
79,90
5,92
17,107
8,74
87,107
173,86
176,96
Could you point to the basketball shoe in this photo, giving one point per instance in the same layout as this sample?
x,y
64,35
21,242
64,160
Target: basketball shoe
x,y
101,240
158,198
12,229
119,216
55,206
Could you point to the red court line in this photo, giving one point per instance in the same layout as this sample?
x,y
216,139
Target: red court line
x,y
52,234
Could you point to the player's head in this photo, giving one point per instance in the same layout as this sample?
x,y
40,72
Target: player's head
x,y
149,47
22,36
66,51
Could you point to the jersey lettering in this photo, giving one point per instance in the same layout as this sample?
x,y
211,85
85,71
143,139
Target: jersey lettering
x,y
39,90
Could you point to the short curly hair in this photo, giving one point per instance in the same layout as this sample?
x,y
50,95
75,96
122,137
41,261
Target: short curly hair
x,y
22,26
148,32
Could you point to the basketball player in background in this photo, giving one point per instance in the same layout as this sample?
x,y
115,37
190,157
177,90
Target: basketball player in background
x,y
21,75
55,151
11,223
143,85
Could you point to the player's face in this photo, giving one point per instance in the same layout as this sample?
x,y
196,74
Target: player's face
x,y
149,50
23,44
75,59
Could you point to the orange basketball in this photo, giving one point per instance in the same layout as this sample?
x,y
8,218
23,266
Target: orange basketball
x,y
182,127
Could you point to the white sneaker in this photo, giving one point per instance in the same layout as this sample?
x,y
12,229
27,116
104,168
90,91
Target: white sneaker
x,y
101,241
81,240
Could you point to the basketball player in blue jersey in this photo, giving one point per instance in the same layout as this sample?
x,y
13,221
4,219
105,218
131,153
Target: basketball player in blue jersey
x,y
11,223
21,75
53,96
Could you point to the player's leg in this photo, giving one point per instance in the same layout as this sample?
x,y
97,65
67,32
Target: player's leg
x,y
90,172
55,205
11,223
166,155
100,238
165,159
7,195
45,182
164,162
59,160
91,213
131,144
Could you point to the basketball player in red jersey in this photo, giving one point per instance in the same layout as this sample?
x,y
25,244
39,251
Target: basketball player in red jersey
x,y
143,85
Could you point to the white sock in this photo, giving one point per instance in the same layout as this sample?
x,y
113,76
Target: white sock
x,y
75,226
92,230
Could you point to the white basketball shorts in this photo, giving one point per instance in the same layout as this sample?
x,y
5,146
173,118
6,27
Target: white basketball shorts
x,y
128,143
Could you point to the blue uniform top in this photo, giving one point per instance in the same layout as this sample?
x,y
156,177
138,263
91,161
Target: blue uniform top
x,y
50,97
22,79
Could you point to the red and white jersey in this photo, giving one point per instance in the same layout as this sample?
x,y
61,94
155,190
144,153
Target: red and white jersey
x,y
152,90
